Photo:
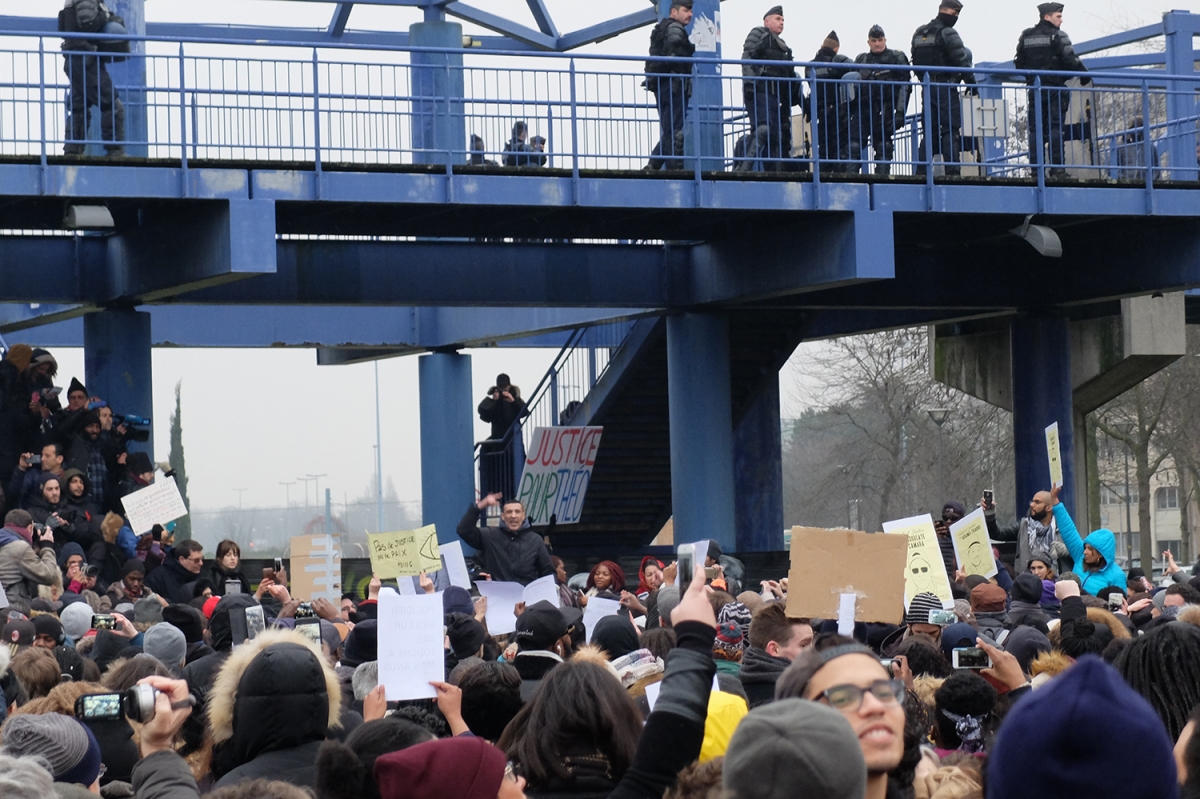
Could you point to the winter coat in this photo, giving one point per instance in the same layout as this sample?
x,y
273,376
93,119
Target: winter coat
x,y
1102,541
759,674
23,569
164,775
270,708
519,557
218,575
1020,612
501,413
172,582
1019,533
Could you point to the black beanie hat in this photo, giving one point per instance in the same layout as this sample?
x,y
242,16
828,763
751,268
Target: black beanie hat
x,y
75,386
187,619
1027,588
466,635
138,463
49,625
362,645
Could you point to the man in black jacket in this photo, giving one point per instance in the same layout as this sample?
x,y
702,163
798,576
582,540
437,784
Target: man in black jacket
x,y
775,641
836,130
90,82
769,91
512,552
937,44
668,83
1046,46
176,578
886,101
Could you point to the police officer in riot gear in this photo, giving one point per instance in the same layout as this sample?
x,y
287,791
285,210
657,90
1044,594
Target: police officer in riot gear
x,y
85,61
836,131
670,83
1046,46
885,96
937,44
770,91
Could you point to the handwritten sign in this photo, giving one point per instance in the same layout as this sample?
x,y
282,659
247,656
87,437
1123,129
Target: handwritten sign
x,y
405,553
558,468
924,571
411,645
157,503
1054,455
972,548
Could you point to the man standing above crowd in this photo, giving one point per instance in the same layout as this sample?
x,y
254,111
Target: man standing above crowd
x,y
836,130
1046,46
770,91
26,482
937,44
176,578
512,552
1036,534
886,101
670,84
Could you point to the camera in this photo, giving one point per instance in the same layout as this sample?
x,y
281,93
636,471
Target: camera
x,y
105,621
942,618
135,704
34,460
134,426
89,571
305,611
971,657
1116,600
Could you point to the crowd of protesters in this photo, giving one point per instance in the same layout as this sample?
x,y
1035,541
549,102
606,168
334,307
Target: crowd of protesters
x,y
701,687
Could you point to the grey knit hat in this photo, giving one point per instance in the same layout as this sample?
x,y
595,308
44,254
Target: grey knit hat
x,y
668,600
167,643
77,619
794,748
148,609
67,746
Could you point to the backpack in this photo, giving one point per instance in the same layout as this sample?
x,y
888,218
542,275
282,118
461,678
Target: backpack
x,y
90,15
927,46
658,47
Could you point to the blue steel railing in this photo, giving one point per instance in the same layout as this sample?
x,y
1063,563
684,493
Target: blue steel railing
x,y
212,100
571,376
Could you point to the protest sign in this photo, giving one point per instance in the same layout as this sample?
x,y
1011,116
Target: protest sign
x,y
456,564
925,571
503,598
406,553
157,503
315,568
972,549
596,610
558,468
411,645
829,563
1054,455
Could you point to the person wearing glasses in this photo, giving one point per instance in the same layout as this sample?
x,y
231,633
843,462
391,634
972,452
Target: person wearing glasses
x,y
176,578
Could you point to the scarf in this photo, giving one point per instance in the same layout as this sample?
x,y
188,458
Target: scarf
x,y
1041,536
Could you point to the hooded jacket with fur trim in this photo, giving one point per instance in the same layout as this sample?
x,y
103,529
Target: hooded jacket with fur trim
x,y
269,709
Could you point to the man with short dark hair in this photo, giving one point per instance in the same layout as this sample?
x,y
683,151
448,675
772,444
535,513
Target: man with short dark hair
x,y
512,552
26,483
769,91
836,125
26,560
937,44
1047,47
670,83
775,641
886,100
176,579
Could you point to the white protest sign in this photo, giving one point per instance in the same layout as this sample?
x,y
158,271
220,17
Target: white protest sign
x,y
1054,455
972,548
411,645
543,588
925,571
596,610
456,565
501,599
558,468
157,503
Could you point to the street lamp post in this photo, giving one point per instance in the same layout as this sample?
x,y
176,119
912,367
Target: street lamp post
x,y
287,487
939,416
240,491
317,492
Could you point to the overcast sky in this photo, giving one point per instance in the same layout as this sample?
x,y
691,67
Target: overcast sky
x,y
255,418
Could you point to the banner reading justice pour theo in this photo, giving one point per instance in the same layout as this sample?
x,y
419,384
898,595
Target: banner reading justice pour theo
x,y
558,468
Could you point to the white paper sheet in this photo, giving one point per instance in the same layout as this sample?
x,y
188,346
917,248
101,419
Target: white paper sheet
x,y
542,588
596,610
501,599
157,503
456,564
845,619
652,694
411,645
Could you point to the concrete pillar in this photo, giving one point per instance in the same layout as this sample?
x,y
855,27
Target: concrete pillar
x,y
701,413
439,130
758,475
447,440
1041,381
129,77
117,363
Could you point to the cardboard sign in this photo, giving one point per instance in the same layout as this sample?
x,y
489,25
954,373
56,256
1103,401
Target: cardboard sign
x,y
411,645
1054,455
404,554
157,503
315,568
972,549
829,563
924,571
558,469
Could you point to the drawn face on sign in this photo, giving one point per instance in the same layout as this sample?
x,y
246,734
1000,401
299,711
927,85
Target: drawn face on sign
x,y
919,575
975,557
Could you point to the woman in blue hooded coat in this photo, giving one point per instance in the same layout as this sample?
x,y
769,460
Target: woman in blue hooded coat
x,y
1095,557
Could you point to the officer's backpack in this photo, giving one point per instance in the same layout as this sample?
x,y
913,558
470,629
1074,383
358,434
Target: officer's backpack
x,y
927,48
90,15
658,47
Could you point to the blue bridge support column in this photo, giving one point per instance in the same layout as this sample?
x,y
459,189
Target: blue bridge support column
x,y
1042,395
705,114
758,472
438,127
698,385
447,441
129,78
117,363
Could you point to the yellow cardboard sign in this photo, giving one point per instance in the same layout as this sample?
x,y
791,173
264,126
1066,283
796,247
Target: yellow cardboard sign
x,y
972,548
404,554
1054,455
925,571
